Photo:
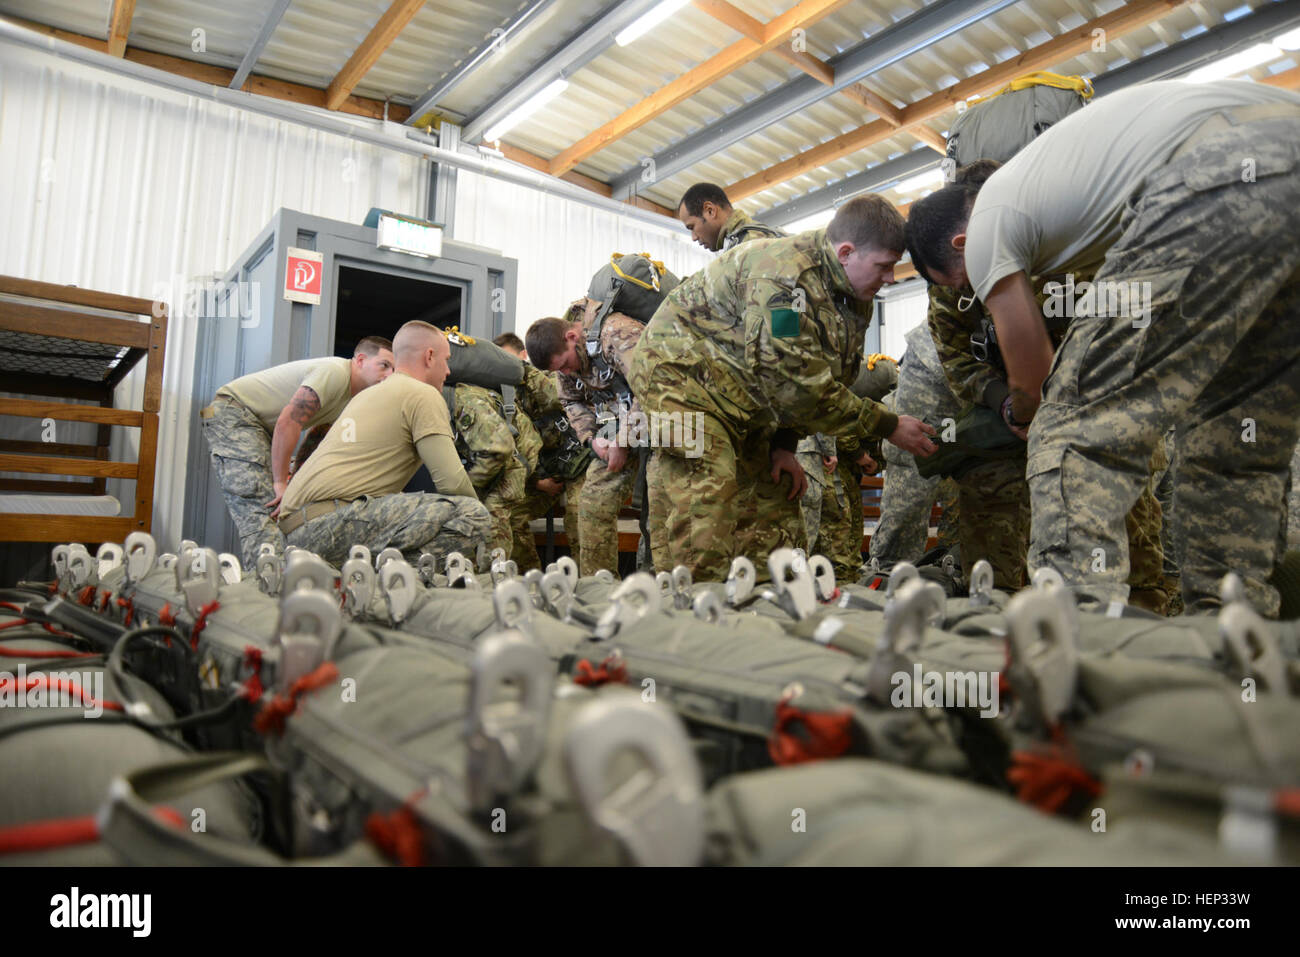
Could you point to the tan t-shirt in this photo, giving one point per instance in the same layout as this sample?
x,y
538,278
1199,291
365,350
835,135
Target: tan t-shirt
x,y
266,393
1056,206
371,448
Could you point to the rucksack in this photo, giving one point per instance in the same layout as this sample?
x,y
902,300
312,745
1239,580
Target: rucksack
x,y
997,127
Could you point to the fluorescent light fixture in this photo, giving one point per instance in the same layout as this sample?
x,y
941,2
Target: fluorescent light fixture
x,y
648,21
930,179
815,221
527,109
1236,63
1289,40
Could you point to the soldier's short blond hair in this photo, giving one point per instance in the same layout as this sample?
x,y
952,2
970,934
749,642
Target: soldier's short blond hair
x,y
869,222
413,338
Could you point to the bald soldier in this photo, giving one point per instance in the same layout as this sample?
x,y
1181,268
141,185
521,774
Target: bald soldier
x,y
756,349
255,422
1182,197
349,492
713,223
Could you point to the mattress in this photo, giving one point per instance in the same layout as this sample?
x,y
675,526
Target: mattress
x,y
34,504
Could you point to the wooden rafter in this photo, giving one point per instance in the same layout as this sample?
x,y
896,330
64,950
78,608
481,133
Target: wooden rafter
x,y
372,48
312,96
775,32
1122,20
119,26
725,12
1287,79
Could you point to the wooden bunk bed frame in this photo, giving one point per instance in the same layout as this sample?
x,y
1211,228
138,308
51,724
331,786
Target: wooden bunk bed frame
x,y
48,311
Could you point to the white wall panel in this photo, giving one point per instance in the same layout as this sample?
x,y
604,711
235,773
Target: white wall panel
x,y
109,183
902,313
559,243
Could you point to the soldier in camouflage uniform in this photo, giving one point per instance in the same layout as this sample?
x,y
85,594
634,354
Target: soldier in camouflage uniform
x,y
741,349
592,394
908,498
349,492
714,223
486,443
557,462
1193,220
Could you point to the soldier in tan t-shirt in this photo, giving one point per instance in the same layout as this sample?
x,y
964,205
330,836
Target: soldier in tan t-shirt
x,y
350,491
255,422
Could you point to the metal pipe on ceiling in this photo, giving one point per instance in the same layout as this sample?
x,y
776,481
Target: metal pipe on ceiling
x,y
392,136
475,60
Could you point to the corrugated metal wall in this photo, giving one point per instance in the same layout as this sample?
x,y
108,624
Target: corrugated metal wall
x,y
114,184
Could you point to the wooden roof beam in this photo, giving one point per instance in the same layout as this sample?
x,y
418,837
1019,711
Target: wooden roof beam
x,y
372,48
715,68
1125,19
119,26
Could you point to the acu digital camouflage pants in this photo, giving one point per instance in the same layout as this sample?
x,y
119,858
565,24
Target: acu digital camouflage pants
x,y
241,460
413,522
705,511
1215,233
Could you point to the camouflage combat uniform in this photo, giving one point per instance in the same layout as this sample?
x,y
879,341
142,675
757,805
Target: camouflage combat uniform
x,y
758,347
551,450
994,505
241,457
810,451
1218,357
908,498
592,405
739,228
486,443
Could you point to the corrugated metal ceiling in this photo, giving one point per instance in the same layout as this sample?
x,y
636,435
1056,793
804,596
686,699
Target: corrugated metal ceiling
x,y
316,37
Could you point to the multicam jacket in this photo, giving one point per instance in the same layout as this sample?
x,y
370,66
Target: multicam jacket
x,y
593,396
740,228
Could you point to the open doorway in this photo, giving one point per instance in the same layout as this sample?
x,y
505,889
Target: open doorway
x,y
373,303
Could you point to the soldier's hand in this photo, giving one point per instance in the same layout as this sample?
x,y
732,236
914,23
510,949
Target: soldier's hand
x,y
617,458
911,435
785,463
867,463
550,486
1008,416
829,462
274,504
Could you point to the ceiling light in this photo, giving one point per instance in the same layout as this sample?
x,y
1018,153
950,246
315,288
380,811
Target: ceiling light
x,y
1236,63
930,179
1289,40
531,106
814,221
649,21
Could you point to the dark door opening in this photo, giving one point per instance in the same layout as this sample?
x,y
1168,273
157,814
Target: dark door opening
x,y
378,304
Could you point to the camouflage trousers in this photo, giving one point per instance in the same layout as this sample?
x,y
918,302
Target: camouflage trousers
x,y
1217,356
994,522
819,486
905,505
705,511
241,459
538,503
413,522
840,532
599,502
501,512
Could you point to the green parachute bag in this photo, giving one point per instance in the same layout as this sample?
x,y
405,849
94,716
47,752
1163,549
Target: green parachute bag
x,y
480,362
980,436
999,126
634,285
877,378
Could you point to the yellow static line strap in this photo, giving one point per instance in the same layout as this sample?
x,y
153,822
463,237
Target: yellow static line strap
x,y
659,271
1079,84
876,357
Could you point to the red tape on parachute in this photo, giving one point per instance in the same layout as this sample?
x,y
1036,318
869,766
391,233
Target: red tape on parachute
x,y
800,736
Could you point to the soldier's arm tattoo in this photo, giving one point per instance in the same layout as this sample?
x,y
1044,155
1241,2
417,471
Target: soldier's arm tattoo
x,y
304,404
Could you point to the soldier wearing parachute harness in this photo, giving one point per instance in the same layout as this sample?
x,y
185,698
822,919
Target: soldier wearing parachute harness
x,y
557,460
715,224
590,348
1208,248
986,459
755,350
